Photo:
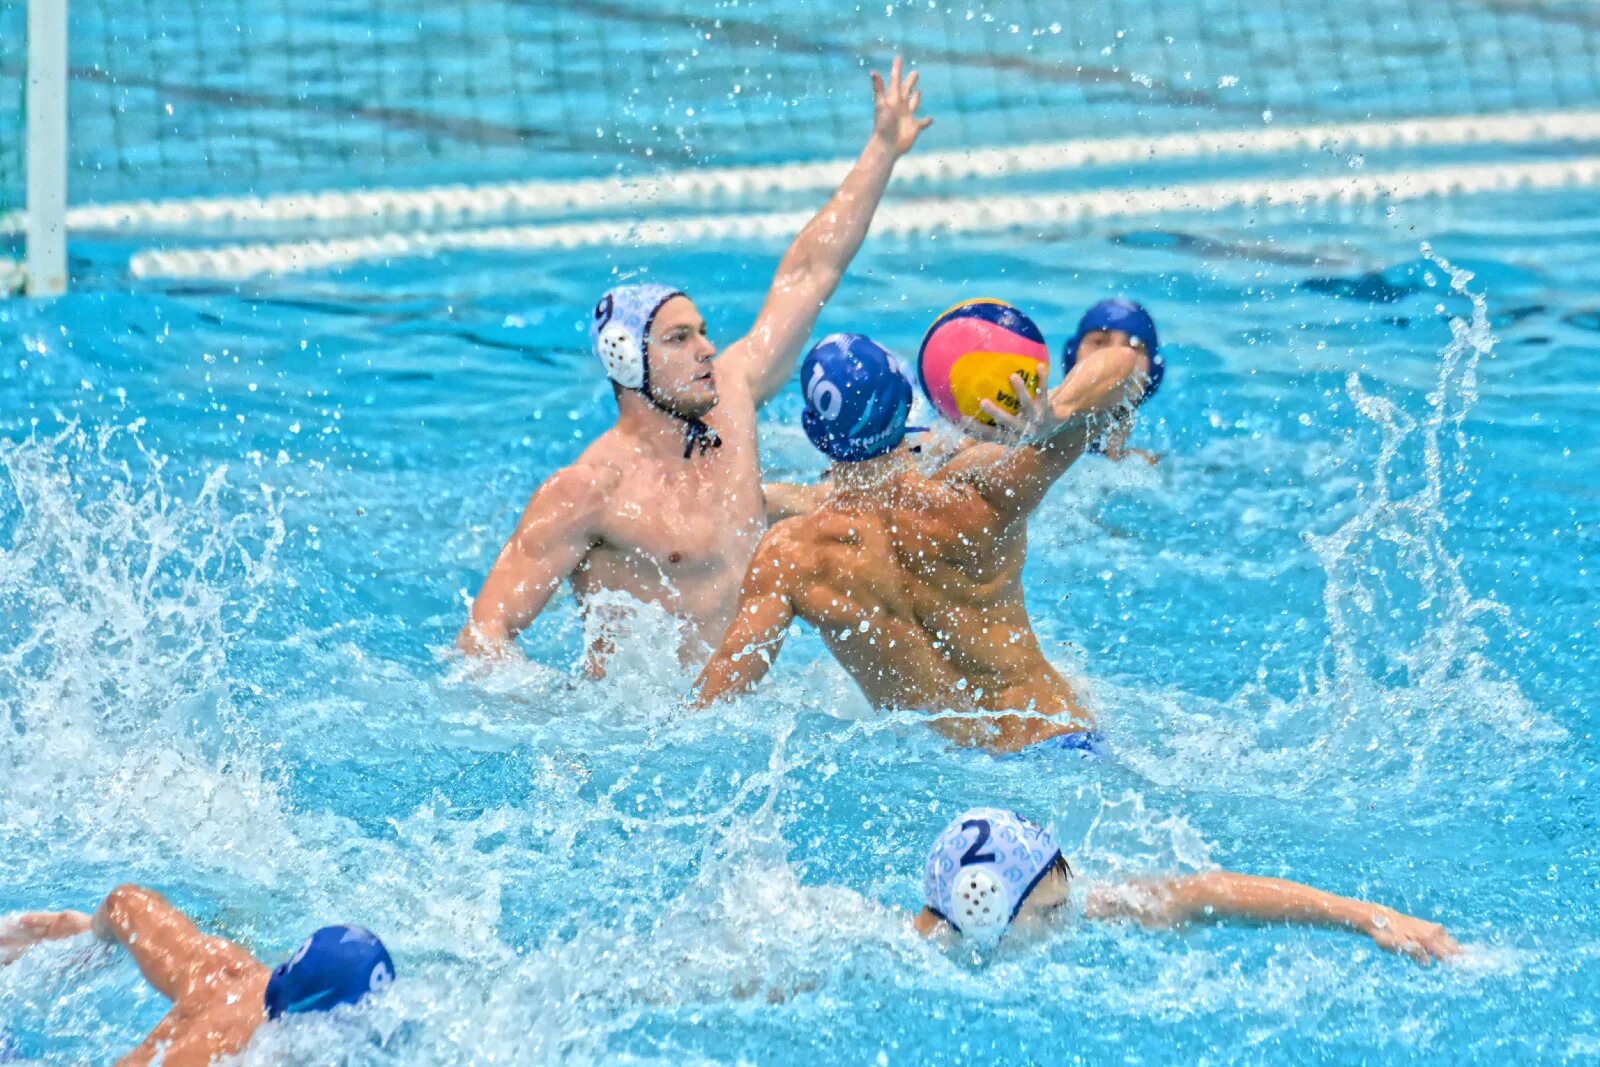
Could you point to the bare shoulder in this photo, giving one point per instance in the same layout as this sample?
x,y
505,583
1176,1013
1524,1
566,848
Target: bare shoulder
x,y
969,458
198,1035
736,355
1145,900
785,549
580,491
788,538
736,398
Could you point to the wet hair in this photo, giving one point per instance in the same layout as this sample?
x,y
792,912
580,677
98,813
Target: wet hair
x,y
1061,867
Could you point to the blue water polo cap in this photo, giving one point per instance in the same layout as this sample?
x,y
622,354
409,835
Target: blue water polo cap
x,y
336,965
857,398
982,868
1133,320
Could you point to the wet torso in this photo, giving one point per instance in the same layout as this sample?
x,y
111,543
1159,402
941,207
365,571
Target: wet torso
x,y
917,590
678,533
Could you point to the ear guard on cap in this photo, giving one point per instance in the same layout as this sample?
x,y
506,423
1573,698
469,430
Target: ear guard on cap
x,y
979,905
620,329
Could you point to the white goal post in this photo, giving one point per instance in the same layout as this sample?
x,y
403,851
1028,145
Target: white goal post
x,y
45,265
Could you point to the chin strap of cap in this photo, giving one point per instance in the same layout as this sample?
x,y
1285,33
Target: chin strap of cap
x,y
696,434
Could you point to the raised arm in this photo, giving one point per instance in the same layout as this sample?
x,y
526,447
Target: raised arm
x,y
812,267
172,953
753,640
555,533
1218,895
1054,431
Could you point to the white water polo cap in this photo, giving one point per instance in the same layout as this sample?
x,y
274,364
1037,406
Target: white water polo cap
x,y
620,331
982,868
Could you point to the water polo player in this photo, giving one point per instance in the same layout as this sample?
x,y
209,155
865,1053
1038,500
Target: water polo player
x,y
220,993
915,581
1119,323
992,874
1007,344
667,505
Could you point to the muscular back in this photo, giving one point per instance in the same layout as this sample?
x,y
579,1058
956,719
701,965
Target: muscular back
x,y
916,587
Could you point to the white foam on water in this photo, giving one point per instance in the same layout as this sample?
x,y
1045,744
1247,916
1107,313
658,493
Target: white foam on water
x,y
119,735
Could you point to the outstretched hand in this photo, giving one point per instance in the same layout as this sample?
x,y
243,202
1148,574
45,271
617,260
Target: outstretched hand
x,y
19,933
1423,941
895,120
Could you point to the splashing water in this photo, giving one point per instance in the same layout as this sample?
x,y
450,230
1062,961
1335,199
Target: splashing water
x,y
1405,632
121,722
1407,686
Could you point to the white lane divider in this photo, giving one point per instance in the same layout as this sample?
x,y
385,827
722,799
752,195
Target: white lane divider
x,y
340,213
1035,213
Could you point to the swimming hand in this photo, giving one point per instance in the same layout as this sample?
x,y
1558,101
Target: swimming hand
x,y
1423,941
895,120
19,933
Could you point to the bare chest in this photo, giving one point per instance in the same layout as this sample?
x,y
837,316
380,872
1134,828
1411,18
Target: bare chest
x,y
701,519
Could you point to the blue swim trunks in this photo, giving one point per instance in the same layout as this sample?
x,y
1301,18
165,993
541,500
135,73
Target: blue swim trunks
x,y
1086,743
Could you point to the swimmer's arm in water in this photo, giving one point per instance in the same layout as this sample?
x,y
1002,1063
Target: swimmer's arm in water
x,y
172,953
22,932
758,629
554,535
814,264
785,500
1048,434
1216,895
932,928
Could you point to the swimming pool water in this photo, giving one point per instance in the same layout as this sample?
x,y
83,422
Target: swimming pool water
x,y
1340,633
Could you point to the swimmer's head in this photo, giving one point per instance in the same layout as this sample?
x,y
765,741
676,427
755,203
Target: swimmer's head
x,y
991,867
652,339
336,965
1118,322
857,398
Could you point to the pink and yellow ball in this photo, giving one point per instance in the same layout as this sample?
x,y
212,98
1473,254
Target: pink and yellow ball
x,y
970,353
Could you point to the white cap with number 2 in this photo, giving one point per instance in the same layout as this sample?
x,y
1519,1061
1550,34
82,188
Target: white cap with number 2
x,y
982,867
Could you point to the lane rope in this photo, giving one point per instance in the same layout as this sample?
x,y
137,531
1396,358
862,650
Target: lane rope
x,y
340,213
1029,213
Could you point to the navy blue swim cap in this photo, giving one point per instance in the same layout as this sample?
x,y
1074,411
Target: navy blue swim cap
x,y
336,965
1131,319
857,398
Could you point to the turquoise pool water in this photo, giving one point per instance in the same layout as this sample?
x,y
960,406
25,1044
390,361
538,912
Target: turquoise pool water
x,y
1339,633
1342,632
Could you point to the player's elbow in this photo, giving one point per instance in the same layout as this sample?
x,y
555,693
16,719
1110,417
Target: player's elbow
x,y
468,641
806,276
128,895
121,907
